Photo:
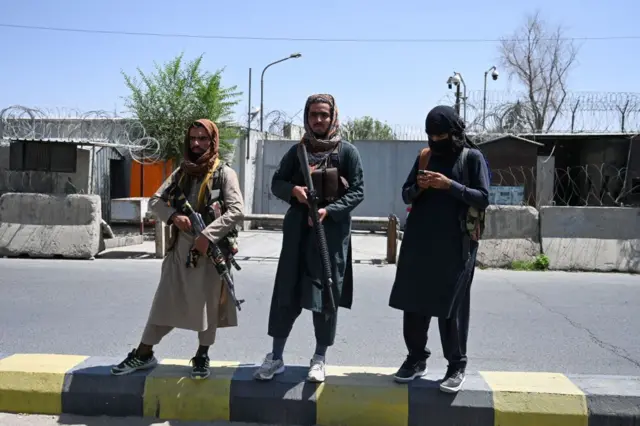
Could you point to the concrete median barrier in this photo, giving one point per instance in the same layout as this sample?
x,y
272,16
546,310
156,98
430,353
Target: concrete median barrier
x,y
591,238
45,226
70,384
511,234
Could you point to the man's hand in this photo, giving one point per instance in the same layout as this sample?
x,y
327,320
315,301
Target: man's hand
x,y
300,192
182,222
322,213
438,180
201,244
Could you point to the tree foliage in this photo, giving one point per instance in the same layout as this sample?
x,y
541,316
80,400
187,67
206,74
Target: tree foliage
x,y
168,100
540,58
366,128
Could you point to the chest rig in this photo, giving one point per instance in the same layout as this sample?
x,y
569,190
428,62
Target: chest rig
x,y
326,177
210,205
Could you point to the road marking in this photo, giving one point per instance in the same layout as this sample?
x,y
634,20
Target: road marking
x,y
362,396
533,399
33,383
169,392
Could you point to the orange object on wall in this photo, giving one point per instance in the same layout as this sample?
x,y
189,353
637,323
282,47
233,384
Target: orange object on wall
x,y
153,176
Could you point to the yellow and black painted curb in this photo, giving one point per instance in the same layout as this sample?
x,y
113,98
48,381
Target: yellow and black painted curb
x,y
367,396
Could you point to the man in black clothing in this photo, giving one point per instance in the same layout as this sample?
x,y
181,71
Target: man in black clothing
x,y
438,252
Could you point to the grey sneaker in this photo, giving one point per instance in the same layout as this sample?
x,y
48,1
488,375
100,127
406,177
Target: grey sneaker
x,y
453,381
316,369
133,363
269,368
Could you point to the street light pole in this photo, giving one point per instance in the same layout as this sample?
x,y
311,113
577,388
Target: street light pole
x,y
293,55
494,75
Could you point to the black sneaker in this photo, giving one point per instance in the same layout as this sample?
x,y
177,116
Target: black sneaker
x,y
200,367
453,380
410,369
133,363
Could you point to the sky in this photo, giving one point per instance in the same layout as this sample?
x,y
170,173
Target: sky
x,y
395,82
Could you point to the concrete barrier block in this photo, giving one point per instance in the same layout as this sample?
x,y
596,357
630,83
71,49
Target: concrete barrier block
x,y
43,225
511,222
591,238
500,253
511,233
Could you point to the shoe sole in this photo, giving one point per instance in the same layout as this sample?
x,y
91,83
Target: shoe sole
x,y
200,376
133,370
314,380
453,390
267,378
410,379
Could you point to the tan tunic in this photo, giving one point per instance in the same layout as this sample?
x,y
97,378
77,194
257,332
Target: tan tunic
x,y
190,298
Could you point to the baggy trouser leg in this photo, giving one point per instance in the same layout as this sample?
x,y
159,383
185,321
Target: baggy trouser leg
x,y
414,329
153,334
454,331
281,320
325,326
208,336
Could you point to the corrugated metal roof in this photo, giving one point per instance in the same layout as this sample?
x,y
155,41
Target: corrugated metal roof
x,y
79,141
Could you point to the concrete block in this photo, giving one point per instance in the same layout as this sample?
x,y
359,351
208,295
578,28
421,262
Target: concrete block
x,y
501,253
511,233
42,225
511,222
591,238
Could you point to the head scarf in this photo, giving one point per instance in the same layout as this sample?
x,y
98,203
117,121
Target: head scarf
x,y
332,138
445,120
204,163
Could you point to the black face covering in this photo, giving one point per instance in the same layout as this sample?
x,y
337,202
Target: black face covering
x,y
445,120
441,146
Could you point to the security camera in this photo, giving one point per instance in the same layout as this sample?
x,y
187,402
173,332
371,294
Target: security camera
x,y
494,74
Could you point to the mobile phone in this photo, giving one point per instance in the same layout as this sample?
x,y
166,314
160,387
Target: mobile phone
x,y
422,172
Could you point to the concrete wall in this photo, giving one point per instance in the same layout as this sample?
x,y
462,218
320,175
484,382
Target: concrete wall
x,y
41,225
43,182
603,239
511,233
591,238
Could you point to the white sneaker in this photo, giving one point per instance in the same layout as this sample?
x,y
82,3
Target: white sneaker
x,y
269,368
316,369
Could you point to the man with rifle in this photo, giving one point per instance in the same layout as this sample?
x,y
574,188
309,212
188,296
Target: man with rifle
x,y
321,177
196,288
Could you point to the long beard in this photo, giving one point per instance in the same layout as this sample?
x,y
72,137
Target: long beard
x,y
193,156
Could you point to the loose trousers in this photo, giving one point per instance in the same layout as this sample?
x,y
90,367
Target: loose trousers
x,y
153,334
454,333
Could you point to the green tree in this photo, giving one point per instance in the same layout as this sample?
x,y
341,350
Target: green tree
x,y
367,128
167,101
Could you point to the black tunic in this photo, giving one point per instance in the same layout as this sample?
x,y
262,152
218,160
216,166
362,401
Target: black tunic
x,y
299,272
431,267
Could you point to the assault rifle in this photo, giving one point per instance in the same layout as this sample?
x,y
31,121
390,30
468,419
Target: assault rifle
x,y
213,251
321,238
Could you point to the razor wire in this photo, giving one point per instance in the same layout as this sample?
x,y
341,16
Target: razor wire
x,y
92,128
586,185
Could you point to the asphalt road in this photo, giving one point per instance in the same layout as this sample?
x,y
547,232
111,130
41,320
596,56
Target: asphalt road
x,y
521,321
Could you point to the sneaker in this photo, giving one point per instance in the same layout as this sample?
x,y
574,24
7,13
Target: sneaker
x,y
200,367
133,363
453,380
316,369
410,370
269,368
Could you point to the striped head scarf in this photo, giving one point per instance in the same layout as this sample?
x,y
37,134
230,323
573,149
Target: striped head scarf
x,y
332,138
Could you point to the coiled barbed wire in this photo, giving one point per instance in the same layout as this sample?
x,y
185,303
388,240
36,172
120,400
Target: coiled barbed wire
x,y
579,112
587,185
98,128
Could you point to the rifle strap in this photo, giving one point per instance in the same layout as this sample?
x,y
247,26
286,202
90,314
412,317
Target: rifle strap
x,y
425,156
